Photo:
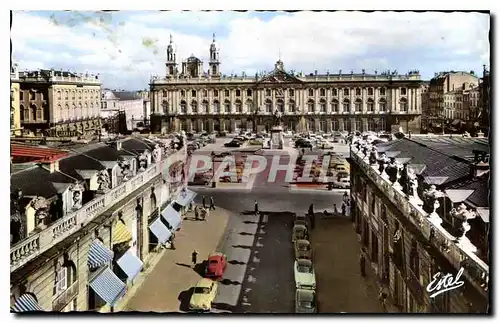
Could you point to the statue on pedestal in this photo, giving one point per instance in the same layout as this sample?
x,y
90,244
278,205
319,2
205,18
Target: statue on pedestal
x,y
277,118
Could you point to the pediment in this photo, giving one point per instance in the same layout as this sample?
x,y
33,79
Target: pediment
x,y
278,76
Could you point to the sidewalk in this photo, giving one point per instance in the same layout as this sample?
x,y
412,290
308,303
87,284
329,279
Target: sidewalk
x,y
164,285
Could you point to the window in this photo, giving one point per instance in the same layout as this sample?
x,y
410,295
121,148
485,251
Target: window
x,y
268,92
280,106
403,91
346,104
21,95
335,106
193,92
216,106
183,107
194,107
310,106
205,93
291,92
62,280
239,106
164,93
311,92
370,91
226,93
183,93
249,104
403,105
204,107
269,106
291,106
382,91
59,96
357,105
32,95
238,93
322,92
323,105
358,91
414,260
249,92
373,204
227,106
335,92
382,106
370,106
346,92
335,125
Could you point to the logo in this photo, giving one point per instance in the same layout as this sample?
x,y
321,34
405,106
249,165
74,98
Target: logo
x,y
443,283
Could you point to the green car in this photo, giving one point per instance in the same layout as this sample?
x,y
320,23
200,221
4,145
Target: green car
x,y
305,301
305,277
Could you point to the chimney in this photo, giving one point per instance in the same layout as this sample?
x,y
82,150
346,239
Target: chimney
x,y
52,165
117,144
481,164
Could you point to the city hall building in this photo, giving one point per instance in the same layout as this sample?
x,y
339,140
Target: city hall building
x,y
193,99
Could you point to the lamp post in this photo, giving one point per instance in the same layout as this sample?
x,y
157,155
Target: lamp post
x,y
214,180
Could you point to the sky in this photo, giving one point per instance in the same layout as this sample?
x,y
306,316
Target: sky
x,y
126,47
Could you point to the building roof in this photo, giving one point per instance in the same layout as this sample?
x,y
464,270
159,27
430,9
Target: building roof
x,y
72,164
36,152
39,181
137,145
126,95
481,190
107,153
454,146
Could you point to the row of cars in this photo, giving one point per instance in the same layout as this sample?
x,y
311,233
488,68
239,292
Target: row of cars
x,y
251,139
198,141
303,269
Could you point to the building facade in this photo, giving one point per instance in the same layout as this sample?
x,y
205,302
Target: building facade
x,y
421,207
85,225
195,100
129,103
58,103
15,114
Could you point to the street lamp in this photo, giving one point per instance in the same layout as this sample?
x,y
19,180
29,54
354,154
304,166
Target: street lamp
x,y
214,180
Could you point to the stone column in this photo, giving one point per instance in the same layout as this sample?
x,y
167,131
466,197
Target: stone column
x,y
375,99
353,125
364,124
364,96
329,125
341,124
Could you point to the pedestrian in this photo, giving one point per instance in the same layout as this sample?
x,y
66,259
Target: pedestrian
x,y
311,210
335,210
172,244
362,262
212,204
203,202
194,257
325,213
343,209
346,196
190,207
196,214
256,208
382,296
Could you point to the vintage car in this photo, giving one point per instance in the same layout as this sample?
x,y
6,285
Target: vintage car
x,y
304,274
233,143
203,295
302,249
305,301
299,232
300,222
216,265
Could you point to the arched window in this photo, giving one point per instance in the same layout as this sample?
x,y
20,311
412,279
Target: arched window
x,y
65,95
370,105
370,91
358,91
335,105
59,96
216,106
164,93
310,106
239,106
238,92
280,106
204,106
73,95
346,104
403,105
183,107
334,92
346,92
249,105
322,105
311,92
164,106
291,106
322,92
227,106
382,105
194,106
33,112
269,106
335,125
357,105
382,91
205,93
85,112
22,112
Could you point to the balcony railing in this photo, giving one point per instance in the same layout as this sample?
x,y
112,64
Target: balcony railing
x,y
474,268
27,249
65,297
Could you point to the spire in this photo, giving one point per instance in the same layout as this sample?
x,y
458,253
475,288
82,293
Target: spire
x,y
213,37
171,39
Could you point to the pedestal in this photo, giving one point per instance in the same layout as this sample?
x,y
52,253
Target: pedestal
x,y
277,137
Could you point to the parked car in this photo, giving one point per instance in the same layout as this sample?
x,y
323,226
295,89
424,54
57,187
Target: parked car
x,y
203,295
302,249
305,301
299,232
216,265
300,222
342,168
233,143
325,144
201,179
299,217
343,183
304,274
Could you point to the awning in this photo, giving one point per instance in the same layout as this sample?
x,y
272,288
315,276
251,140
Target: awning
x,y
26,303
99,255
172,217
160,231
130,264
121,233
185,197
108,286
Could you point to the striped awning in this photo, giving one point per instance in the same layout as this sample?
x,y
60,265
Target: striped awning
x,y
26,303
121,233
160,231
99,255
108,286
130,264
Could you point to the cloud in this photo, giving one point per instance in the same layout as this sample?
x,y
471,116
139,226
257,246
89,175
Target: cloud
x,y
125,48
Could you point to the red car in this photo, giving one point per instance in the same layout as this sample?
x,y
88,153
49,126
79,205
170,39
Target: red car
x,y
216,265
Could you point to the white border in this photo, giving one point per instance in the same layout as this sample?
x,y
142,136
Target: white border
x,y
189,5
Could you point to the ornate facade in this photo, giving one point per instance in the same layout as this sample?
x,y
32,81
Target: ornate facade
x,y
57,103
194,100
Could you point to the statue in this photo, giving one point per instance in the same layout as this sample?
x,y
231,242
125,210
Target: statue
x,y
393,170
431,203
17,228
277,117
373,156
404,179
41,207
76,195
464,215
126,171
383,161
413,187
143,162
103,181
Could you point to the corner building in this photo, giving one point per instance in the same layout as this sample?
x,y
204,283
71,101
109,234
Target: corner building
x,y
194,100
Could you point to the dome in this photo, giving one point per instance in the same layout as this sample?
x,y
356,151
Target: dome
x,y
193,59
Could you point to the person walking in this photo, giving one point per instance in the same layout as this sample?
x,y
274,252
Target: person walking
x,y
212,204
256,208
196,214
343,207
311,210
172,239
362,262
194,257
203,202
335,210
